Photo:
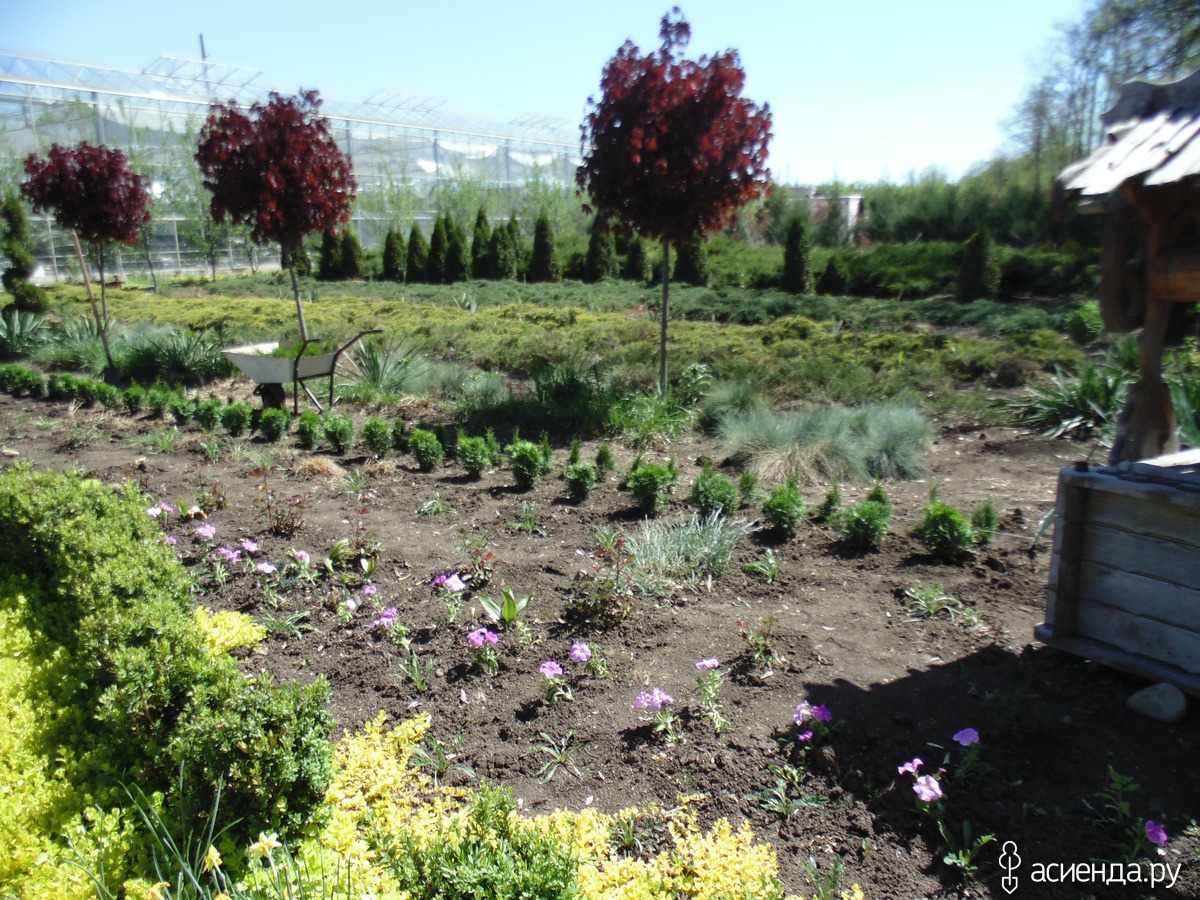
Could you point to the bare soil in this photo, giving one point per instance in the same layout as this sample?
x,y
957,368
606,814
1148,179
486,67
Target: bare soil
x,y
1051,724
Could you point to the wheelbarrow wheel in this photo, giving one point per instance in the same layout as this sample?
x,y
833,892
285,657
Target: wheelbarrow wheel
x,y
273,395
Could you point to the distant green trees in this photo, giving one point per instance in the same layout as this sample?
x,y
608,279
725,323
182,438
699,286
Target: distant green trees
x,y
16,244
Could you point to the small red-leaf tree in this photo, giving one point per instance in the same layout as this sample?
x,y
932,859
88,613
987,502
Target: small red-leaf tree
x,y
671,149
94,195
277,170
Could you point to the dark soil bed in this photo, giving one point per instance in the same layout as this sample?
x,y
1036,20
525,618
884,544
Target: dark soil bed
x,y
1051,724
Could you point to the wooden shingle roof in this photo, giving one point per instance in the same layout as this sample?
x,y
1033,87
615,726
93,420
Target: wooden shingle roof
x,y
1153,134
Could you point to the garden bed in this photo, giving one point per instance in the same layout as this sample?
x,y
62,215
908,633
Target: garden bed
x,y
898,686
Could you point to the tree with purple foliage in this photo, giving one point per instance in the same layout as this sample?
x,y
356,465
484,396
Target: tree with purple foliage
x,y
94,195
671,149
278,171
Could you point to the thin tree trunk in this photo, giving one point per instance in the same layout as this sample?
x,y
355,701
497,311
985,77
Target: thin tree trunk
x,y
291,264
110,373
101,323
662,338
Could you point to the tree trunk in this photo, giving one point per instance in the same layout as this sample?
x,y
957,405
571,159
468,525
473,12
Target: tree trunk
x,y
662,338
150,266
291,264
101,322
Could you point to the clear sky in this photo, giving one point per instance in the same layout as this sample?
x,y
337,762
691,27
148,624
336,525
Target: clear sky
x,y
864,90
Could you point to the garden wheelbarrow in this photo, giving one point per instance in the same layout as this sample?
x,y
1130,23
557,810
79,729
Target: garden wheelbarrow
x,y
271,373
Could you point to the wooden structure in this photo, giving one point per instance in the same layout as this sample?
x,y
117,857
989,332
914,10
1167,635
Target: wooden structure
x,y
1124,581
270,373
1147,176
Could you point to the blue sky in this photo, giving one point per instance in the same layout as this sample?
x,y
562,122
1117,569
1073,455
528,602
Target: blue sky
x,y
866,90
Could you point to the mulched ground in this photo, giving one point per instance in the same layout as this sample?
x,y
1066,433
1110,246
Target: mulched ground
x,y
898,687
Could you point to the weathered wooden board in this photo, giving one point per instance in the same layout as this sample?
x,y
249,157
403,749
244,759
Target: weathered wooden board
x,y
1125,575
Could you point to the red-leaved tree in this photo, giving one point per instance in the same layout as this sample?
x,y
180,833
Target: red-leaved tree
x,y
94,195
278,171
671,149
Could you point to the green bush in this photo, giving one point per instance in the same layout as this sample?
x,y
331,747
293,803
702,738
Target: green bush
x,y
158,399
309,429
543,266
474,454
102,592
426,449
236,418
712,493
29,382
580,477
350,262
865,524
11,375
984,522
208,413
527,463
418,255
831,506
63,386
651,486
339,431
393,255
107,395
691,264
134,398
784,508
1084,324
492,852
835,279
601,254
273,424
181,409
979,274
945,532
604,460
797,272
376,436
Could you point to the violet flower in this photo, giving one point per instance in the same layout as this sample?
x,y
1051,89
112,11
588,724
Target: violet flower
x,y
928,789
551,669
265,568
386,618
482,636
910,767
581,652
967,737
1156,834
710,662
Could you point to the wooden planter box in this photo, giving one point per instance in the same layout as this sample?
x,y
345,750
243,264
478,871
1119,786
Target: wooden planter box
x,y
1125,576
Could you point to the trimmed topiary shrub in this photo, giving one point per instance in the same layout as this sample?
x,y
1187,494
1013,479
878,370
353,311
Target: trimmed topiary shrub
x,y
474,455
712,493
309,429
330,266
651,486
376,436
426,449
481,240
601,254
435,262
273,424
543,266
339,431
797,273
350,264
236,418
418,255
134,397
580,477
526,461
394,253
784,509
691,264
835,279
458,255
208,413
88,578
945,532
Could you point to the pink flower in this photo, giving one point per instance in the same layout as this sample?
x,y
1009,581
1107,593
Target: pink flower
x,y
454,584
482,636
369,589
1156,834
386,618
170,539
250,546
439,581
803,712
653,701
967,737
301,557
910,767
822,714
550,669
265,568
710,662
805,736
230,556
166,507
351,605
928,789
581,652
154,511
208,532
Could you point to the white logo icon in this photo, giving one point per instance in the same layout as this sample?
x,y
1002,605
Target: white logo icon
x,y
1009,860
